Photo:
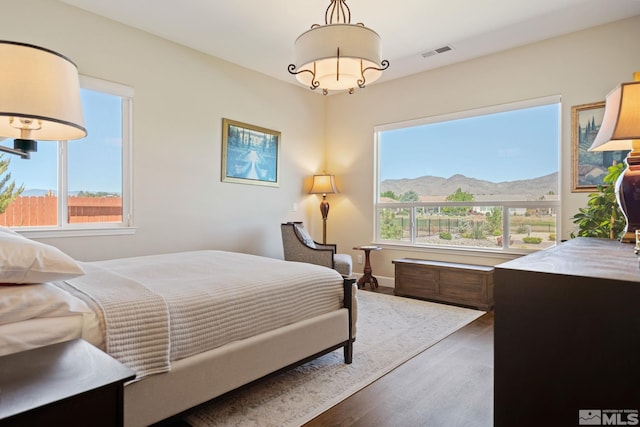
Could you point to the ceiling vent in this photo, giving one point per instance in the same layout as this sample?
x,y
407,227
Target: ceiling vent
x,y
437,51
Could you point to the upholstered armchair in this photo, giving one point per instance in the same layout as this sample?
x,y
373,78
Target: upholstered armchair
x,y
299,246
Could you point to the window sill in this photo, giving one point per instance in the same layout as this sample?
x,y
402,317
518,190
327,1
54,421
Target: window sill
x,y
76,232
506,255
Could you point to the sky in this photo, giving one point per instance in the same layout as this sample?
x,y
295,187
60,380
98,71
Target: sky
x,y
508,146
94,161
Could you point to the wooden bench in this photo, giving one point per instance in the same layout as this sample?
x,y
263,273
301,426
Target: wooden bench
x,y
462,284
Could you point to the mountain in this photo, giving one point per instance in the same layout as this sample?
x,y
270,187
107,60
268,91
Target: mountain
x,y
430,186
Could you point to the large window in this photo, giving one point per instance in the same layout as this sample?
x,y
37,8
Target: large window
x,y
484,180
81,184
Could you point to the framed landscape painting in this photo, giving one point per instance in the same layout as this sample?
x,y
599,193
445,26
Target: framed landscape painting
x,y
250,154
589,168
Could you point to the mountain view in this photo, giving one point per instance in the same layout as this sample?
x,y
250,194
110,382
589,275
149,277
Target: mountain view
x,y
431,188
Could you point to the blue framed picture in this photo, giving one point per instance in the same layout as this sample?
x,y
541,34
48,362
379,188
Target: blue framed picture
x,y
589,167
250,154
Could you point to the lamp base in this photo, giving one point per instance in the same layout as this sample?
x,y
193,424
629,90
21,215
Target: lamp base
x,y
628,195
628,237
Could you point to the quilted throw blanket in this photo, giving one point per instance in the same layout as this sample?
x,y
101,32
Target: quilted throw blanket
x,y
161,308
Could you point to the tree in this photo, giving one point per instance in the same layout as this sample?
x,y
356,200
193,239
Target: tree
x,y
409,196
8,191
83,193
390,194
457,196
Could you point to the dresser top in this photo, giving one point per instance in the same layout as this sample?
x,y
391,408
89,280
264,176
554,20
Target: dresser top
x,y
583,256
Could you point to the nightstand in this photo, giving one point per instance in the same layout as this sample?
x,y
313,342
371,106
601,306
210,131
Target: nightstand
x,y
66,384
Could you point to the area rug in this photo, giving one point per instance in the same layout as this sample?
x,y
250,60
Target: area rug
x,y
390,331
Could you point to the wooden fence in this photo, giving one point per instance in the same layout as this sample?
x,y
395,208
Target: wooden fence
x,y
33,211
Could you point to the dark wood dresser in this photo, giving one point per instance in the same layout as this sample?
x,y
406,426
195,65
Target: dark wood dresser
x,y
567,336
66,384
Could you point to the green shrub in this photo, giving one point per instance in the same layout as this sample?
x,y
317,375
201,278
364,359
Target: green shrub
x,y
522,228
445,236
552,237
602,217
477,231
532,240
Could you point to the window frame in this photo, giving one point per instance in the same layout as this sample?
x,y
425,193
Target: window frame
x,y
498,252
66,229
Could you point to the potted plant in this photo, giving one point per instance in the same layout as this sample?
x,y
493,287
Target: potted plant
x,y
602,217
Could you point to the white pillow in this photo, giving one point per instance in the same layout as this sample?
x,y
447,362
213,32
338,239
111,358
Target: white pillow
x,y
304,236
26,261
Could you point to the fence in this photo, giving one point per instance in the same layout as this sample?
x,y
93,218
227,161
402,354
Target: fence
x,y
34,211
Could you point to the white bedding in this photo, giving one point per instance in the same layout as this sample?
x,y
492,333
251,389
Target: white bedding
x,y
200,300
37,315
209,298
38,332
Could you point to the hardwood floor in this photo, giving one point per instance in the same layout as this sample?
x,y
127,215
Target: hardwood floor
x,y
449,384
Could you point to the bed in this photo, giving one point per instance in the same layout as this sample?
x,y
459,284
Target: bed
x,y
192,325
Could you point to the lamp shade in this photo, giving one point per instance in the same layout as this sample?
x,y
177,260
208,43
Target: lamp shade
x,y
323,184
39,94
621,121
336,56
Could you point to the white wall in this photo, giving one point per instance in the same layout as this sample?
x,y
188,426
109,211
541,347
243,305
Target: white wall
x,y
180,99
581,67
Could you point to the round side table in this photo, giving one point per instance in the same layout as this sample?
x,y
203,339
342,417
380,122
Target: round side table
x,y
367,277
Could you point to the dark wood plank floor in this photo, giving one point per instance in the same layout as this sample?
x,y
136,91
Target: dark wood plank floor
x,y
449,384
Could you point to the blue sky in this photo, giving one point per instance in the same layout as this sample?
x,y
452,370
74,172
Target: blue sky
x,y
513,145
94,161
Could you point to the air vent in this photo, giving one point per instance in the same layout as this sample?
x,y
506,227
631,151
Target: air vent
x,y
437,51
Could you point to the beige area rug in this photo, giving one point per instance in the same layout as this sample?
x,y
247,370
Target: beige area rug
x,y
390,331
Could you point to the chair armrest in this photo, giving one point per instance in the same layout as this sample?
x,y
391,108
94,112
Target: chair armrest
x,y
331,246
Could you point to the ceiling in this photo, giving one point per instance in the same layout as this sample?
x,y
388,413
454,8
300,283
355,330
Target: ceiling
x,y
259,34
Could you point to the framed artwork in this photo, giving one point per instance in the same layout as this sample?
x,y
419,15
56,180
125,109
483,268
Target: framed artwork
x,y
588,168
250,154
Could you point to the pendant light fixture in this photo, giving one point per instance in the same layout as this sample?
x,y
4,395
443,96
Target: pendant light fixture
x,y
338,55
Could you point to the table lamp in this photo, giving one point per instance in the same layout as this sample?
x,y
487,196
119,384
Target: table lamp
x,y
39,97
324,184
620,130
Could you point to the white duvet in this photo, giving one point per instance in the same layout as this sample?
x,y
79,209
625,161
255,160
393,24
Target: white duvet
x,y
161,308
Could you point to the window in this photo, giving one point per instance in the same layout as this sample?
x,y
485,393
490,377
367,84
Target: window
x,y
83,184
484,179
